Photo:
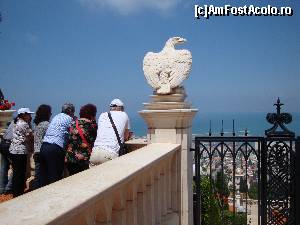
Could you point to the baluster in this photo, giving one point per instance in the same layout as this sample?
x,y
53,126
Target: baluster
x,y
141,201
169,187
118,209
150,199
104,212
131,204
174,182
157,196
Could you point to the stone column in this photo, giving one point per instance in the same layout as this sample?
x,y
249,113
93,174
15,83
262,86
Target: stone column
x,y
5,117
169,119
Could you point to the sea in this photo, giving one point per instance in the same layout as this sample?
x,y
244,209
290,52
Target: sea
x,y
255,123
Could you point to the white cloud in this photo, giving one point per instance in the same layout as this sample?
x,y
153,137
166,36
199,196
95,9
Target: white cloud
x,y
129,6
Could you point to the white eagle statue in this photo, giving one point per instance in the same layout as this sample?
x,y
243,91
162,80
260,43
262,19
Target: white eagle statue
x,y
167,69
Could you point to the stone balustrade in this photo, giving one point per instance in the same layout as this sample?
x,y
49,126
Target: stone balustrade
x,y
135,144
142,187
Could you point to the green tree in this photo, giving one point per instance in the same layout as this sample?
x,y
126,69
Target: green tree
x,y
222,190
221,184
210,211
243,185
231,188
237,219
253,191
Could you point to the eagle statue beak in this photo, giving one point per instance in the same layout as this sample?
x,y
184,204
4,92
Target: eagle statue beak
x,y
181,40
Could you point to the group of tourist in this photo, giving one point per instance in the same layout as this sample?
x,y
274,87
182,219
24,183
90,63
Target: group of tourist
x,y
64,142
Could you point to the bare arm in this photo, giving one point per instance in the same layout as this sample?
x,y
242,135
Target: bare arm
x,y
126,135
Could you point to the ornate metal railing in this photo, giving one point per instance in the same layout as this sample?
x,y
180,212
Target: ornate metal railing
x,y
245,179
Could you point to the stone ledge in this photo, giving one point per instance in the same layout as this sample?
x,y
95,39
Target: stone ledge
x,y
55,203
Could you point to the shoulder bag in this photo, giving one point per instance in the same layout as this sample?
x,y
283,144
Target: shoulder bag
x,y
123,149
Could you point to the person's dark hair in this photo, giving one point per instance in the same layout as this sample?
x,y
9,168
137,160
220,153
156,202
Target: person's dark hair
x,y
20,116
16,119
68,108
43,113
88,111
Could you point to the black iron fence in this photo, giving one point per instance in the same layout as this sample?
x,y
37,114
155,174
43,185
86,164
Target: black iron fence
x,y
245,179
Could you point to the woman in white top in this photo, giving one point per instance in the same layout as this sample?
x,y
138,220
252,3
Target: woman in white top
x,y
41,121
20,145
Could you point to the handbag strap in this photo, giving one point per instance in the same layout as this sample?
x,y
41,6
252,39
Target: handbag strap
x,y
82,136
115,129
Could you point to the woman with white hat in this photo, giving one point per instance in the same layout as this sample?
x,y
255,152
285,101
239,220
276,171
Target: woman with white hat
x,y
20,144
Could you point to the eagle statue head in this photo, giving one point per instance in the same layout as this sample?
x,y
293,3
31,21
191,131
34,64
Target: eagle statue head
x,y
173,41
168,68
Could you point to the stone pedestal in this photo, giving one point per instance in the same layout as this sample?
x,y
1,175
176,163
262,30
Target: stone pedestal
x,y
169,119
5,117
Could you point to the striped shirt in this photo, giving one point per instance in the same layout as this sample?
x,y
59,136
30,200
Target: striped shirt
x,y
58,130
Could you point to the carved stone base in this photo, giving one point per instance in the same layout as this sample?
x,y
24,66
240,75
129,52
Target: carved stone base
x,y
168,98
177,90
175,100
167,105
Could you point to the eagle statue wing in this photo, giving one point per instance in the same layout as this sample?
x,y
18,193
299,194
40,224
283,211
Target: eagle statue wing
x,y
152,66
181,67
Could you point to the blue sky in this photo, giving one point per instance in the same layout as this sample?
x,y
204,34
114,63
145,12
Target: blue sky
x,y
83,51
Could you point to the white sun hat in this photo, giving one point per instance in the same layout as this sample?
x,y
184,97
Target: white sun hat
x,y
24,110
116,102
